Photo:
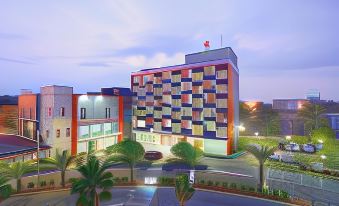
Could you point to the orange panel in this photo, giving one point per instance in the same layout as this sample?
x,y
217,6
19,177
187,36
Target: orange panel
x,y
121,118
230,111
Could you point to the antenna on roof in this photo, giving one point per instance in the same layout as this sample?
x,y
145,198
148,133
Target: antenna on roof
x,y
221,41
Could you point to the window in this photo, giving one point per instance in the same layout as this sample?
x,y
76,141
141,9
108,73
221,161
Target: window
x,y
62,111
209,84
68,132
176,102
108,113
136,79
186,86
176,127
197,103
96,130
176,90
209,98
186,124
157,114
82,113
157,91
209,126
157,80
157,126
149,88
221,103
108,128
166,75
197,130
176,78
167,99
49,111
221,131
197,77
166,87
47,133
222,89
30,113
176,115
149,110
222,74
58,133
149,120
209,71
197,90
209,112
166,122
222,117
197,116
115,127
186,111
166,110
158,102
148,78
141,123
83,132
186,98
187,73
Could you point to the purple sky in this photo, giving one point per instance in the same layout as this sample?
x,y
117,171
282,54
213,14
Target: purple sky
x,y
284,47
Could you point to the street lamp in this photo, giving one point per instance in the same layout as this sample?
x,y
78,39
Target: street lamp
x,y
323,157
288,138
256,134
320,141
241,128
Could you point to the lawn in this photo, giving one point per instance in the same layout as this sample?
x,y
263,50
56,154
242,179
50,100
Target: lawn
x,y
246,140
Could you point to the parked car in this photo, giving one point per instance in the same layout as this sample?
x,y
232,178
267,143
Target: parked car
x,y
287,158
295,147
319,146
309,148
275,156
153,155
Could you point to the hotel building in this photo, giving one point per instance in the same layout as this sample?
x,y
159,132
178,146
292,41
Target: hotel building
x,y
197,102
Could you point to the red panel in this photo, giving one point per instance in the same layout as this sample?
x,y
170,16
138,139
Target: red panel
x,y
121,118
230,115
74,124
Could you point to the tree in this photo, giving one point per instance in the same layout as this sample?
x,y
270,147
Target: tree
x,y
312,115
186,153
94,178
62,161
183,190
126,151
268,121
16,170
5,189
261,153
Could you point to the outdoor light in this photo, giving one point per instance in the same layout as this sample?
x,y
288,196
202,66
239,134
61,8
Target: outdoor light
x,y
99,98
323,157
256,134
288,137
320,141
241,128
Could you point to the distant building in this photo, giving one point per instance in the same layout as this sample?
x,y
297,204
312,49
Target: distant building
x,y
254,105
333,119
14,148
8,114
76,122
197,102
313,95
290,123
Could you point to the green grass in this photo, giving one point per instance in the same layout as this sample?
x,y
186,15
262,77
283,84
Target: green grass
x,y
245,140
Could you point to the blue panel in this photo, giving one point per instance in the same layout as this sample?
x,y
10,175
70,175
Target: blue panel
x,y
197,70
141,97
209,77
176,121
176,96
197,96
166,81
157,108
198,122
176,109
186,92
221,110
165,116
209,134
197,83
186,117
149,115
157,97
166,105
186,105
175,84
168,129
222,81
209,90
176,72
198,109
210,118
186,79
209,105
141,117
337,135
221,124
221,96
149,93
141,108
186,131
157,85
157,120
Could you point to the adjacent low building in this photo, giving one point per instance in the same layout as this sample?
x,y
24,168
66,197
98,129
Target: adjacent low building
x,y
197,102
333,119
8,114
76,122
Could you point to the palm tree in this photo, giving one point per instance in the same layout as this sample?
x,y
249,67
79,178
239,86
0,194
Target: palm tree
x,y
261,153
93,178
183,190
126,151
5,189
62,161
185,152
312,114
16,170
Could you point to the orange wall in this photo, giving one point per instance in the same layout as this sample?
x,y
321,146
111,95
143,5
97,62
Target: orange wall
x,y
8,119
230,114
74,133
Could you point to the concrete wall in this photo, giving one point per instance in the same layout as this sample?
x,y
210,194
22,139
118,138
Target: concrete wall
x,y
96,106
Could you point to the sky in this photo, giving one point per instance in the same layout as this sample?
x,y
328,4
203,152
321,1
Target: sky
x,y
284,48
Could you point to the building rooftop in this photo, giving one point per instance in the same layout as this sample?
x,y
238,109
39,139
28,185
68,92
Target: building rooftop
x,y
8,100
12,145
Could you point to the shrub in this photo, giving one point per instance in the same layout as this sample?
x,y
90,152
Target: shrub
x,y
51,182
30,185
284,194
202,182
216,183
43,183
234,186
225,184
323,133
71,180
209,183
124,179
251,189
300,139
243,187
166,181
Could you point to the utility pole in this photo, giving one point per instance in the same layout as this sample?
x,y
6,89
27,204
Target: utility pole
x,y
38,142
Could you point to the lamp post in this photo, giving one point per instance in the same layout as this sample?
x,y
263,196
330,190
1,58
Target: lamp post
x,y
256,134
38,150
288,137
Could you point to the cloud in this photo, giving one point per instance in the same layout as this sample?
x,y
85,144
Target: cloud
x,y
15,61
94,64
159,59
